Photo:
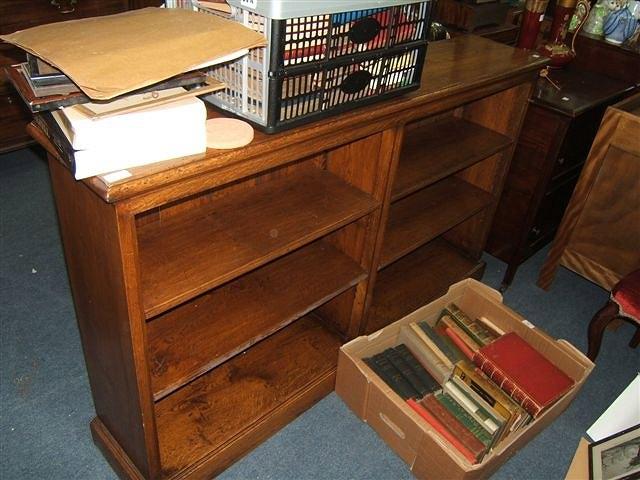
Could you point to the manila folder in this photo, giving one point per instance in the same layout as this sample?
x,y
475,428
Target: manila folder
x,y
115,54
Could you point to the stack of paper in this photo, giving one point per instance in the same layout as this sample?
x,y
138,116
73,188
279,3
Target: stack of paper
x,y
140,137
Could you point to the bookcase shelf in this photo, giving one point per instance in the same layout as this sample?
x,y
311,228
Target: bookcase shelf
x,y
199,335
436,150
450,172
422,216
184,257
232,401
417,279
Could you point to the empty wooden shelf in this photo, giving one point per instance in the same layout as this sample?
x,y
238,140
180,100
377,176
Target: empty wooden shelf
x,y
421,217
245,229
213,293
418,279
201,334
440,148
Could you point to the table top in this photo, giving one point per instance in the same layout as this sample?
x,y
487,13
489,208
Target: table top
x,y
452,67
579,90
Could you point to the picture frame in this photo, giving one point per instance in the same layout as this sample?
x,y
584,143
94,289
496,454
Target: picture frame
x,y
616,457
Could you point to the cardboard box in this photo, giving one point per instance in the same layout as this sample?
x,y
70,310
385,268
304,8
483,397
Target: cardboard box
x,y
413,439
579,468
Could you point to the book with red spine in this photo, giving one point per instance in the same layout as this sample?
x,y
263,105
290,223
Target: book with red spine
x,y
462,346
442,430
523,373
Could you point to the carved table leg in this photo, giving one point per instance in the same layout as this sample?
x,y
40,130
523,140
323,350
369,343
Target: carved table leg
x,y
636,338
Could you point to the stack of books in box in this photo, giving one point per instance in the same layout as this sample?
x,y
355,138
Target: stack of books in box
x,y
472,382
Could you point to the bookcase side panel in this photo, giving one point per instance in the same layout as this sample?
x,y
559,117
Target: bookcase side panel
x,y
99,245
502,112
369,165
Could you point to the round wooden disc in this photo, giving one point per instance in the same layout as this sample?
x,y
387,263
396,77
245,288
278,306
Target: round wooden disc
x,y
225,133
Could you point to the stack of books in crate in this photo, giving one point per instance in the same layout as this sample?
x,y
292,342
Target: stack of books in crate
x,y
472,382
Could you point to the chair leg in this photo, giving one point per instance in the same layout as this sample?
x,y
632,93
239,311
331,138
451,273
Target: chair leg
x,y
597,326
636,338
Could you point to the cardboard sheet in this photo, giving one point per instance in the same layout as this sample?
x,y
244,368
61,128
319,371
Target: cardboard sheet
x,y
115,54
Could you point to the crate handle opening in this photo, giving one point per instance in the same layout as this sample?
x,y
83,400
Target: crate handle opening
x,y
356,81
364,30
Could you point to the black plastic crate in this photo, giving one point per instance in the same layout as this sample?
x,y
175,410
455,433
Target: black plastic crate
x,y
319,65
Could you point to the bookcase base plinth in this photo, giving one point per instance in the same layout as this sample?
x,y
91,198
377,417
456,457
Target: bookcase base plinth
x,y
113,453
217,461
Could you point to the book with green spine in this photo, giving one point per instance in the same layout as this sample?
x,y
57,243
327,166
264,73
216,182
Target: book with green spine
x,y
407,371
430,383
487,419
381,365
476,330
447,349
465,418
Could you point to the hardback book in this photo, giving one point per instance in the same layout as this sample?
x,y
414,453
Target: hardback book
x,y
454,426
482,413
430,384
442,430
135,127
466,419
476,330
408,372
498,419
514,414
427,358
460,339
45,122
491,326
443,344
186,138
383,367
524,373
431,344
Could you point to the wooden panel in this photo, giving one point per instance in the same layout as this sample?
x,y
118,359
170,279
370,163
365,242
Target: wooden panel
x,y
599,236
196,337
421,217
232,399
186,257
503,113
622,62
417,279
436,150
109,320
21,14
533,160
367,164
608,231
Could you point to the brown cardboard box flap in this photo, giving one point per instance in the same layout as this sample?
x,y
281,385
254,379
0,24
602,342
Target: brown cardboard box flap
x,y
115,54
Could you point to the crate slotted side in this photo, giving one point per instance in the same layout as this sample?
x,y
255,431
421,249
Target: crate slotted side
x,y
298,76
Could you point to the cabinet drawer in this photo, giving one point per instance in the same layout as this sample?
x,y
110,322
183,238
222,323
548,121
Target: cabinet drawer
x,y
13,120
550,213
20,14
577,141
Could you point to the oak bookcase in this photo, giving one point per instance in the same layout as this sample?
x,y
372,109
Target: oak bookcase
x,y
213,292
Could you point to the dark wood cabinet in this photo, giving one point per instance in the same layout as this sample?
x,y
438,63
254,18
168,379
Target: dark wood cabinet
x,y
21,14
558,130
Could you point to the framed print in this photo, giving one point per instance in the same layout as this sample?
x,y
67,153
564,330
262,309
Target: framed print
x,y
616,457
